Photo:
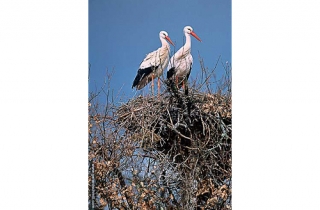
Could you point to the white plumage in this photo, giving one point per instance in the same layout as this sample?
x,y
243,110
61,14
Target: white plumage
x,y
180,64
153,64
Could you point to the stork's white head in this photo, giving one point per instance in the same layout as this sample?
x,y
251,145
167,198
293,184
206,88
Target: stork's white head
x,y
164,35
189,30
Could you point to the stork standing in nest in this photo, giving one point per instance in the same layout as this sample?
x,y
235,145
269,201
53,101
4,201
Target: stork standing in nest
x,y
180,64
154,64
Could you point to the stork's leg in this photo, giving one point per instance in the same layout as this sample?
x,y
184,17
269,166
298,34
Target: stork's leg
x,y
158,87
186,88
177,84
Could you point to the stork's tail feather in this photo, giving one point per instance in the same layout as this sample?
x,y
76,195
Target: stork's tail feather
x,y
136,80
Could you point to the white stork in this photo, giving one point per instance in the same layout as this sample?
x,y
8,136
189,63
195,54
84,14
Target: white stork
x,y
154,64
181,62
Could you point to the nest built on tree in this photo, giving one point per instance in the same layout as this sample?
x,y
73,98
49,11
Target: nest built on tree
x,y
171,151
193,130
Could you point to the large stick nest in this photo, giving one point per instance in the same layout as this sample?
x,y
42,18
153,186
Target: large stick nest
x,y
194,131
182,126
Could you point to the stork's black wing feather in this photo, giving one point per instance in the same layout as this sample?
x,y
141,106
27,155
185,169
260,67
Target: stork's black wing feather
x,y
142,73
171,72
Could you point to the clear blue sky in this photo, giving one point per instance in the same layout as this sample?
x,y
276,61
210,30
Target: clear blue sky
x,y
122,32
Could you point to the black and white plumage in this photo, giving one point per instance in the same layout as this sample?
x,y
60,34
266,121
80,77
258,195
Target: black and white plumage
x,y
153,64
180,64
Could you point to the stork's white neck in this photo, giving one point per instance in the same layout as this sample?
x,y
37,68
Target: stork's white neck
x,y
187,45
164,43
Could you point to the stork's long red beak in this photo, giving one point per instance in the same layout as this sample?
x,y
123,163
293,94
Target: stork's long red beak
x,y
169,40
195,36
